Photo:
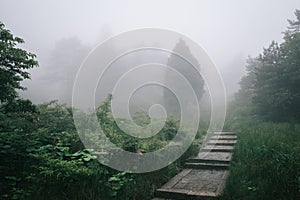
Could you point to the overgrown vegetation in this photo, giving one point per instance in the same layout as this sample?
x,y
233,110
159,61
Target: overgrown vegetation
x,y
265,114
42,156
266,162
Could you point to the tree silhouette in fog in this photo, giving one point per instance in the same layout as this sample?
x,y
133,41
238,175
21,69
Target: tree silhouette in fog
x,y
186,64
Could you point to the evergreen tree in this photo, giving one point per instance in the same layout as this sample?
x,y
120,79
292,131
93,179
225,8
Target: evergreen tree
x,y
185,65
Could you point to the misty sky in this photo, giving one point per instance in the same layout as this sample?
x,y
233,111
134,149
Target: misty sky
x,y
229,30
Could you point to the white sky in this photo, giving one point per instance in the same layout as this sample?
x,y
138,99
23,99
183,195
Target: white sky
x,y
223,28
228,30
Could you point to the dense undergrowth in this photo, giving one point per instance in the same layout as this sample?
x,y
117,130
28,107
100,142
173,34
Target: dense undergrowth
x,y
266,162
42,157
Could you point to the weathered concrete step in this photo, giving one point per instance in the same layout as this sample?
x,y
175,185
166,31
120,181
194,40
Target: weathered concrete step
x,y
211,161
222,142
224,137
206,173
215,166
219,148
184,195
224,133
194,184
226,156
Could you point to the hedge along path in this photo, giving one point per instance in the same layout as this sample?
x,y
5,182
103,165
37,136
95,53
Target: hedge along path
x,y
204,176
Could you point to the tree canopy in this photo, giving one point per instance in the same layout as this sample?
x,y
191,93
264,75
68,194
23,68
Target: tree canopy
x,y
14,63
273,78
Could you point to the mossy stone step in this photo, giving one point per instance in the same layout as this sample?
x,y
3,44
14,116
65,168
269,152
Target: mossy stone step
x,y
224,137
222,142
212,148
224,133
203,165
194,184
197,160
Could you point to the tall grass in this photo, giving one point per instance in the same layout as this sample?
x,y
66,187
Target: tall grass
x,y
266,162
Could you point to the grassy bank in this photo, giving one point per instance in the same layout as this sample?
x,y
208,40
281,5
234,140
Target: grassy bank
x,y
266,162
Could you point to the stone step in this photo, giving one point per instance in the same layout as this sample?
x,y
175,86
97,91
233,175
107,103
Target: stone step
x,y
184,195
224,133
194,184
225,156
219,148
211,161
222,142
224,137
205,175
203,165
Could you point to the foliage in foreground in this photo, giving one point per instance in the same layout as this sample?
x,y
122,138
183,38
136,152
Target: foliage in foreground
x,y
43,158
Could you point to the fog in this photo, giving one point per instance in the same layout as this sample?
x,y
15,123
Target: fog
x,y
62,33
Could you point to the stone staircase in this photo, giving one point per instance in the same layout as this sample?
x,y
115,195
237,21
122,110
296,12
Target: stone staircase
x,y
204,176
